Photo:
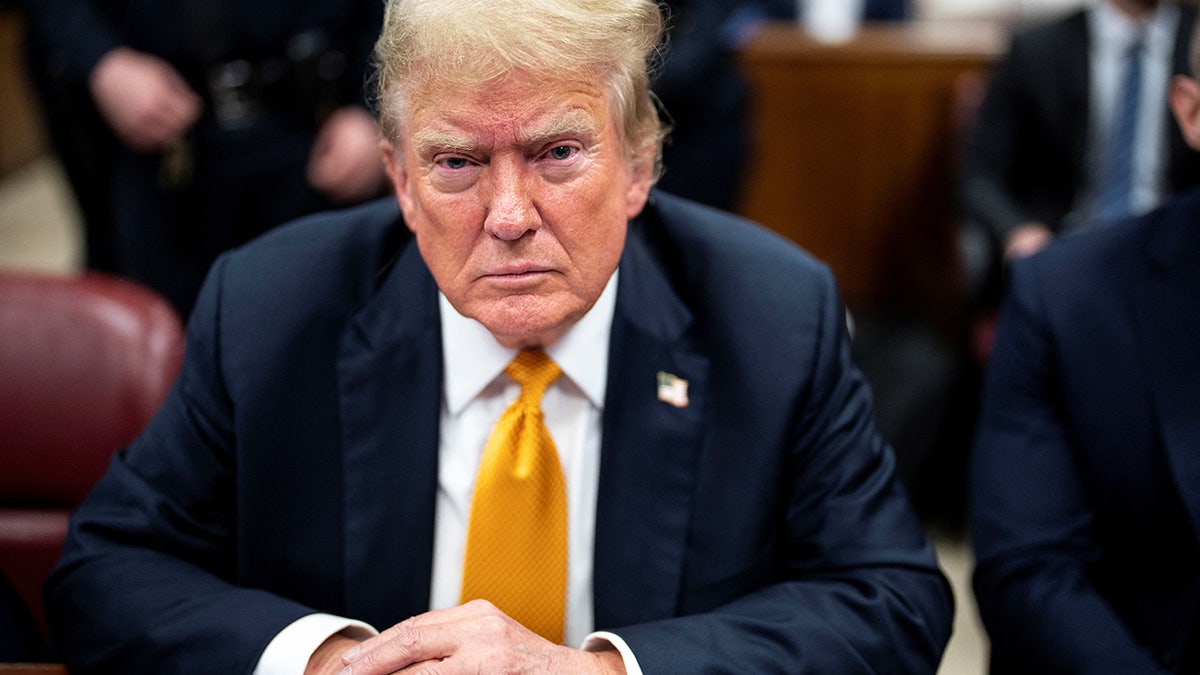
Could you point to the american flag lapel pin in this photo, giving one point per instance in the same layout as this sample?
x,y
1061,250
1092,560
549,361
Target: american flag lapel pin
x,y
672,389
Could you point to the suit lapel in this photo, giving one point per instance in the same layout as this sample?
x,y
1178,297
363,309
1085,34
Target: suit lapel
x,y
390,374
1167,307
649,449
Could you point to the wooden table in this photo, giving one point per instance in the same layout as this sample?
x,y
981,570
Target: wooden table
x,y
855,151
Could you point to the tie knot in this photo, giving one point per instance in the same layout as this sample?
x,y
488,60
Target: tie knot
x,y
534,371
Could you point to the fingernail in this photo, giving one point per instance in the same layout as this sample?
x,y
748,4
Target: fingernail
x,y
345,671
348,656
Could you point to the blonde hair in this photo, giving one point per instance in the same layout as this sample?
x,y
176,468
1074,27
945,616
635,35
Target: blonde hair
x,y
467,43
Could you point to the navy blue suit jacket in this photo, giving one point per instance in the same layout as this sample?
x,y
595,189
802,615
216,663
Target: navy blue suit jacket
x,y
294,466
1086,469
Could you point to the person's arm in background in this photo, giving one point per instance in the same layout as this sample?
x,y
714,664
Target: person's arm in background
x,y
142,98
344,163
76,33
989,160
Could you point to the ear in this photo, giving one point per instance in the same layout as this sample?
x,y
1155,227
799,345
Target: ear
x,y
1185,103
397,172
641,178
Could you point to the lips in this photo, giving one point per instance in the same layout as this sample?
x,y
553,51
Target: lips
x,y
517,271
517,278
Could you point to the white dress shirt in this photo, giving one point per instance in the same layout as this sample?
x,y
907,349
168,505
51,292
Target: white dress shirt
x,y
476,391
1113,32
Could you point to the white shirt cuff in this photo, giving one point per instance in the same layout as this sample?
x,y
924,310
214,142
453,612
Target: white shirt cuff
x,y
288,653
595,642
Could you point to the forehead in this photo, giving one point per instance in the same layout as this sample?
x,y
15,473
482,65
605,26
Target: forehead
x,y
515,107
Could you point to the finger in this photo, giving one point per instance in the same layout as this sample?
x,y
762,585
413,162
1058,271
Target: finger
x,y
464,612
422,667
406,645
418,633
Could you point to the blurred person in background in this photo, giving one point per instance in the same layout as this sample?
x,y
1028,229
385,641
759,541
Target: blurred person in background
x,y
704,157
1085,481
229,117
1074,130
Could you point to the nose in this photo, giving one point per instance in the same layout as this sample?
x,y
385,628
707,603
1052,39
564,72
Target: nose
x,y
511,209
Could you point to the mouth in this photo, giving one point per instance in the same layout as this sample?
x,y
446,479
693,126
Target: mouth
x,y
518,274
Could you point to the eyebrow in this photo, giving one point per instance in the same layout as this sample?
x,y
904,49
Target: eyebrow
x,y
426,140
574,122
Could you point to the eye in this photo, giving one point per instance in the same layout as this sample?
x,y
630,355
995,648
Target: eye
x,y
560,152
455,163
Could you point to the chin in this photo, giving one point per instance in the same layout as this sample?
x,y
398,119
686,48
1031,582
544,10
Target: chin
x,y
521,325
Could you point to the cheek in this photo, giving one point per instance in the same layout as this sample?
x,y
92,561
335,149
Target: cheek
x,y
596,249
443,236
599,217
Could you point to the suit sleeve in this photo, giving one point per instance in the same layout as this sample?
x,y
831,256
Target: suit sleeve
x,y
857,588
145,580
1032,517
74,33
989,154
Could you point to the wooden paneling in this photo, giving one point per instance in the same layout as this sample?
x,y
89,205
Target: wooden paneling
x,y
22,137
855,147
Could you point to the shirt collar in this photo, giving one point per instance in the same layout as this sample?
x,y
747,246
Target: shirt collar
x,y
1115,29
472,358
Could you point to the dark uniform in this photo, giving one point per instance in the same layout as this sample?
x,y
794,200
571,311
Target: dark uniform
x,y
268,72
705,101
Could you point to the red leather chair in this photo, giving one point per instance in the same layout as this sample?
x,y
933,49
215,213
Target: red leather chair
x,y
84,362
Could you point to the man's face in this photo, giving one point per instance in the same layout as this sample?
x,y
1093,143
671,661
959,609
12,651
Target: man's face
x,y
518,193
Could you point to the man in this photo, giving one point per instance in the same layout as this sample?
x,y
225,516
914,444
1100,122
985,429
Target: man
x,y
1085,481
220,120
729,506
1037,162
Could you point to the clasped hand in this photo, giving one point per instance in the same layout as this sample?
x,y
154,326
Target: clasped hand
x,y
472,638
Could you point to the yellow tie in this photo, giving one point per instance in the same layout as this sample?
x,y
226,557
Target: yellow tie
x,y
517,536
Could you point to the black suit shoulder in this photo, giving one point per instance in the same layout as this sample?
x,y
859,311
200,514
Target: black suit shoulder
x,y
347,252
1052,58
1079,275
1048,37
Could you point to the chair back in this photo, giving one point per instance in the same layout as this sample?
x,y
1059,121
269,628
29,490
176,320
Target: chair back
x,y
85,361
